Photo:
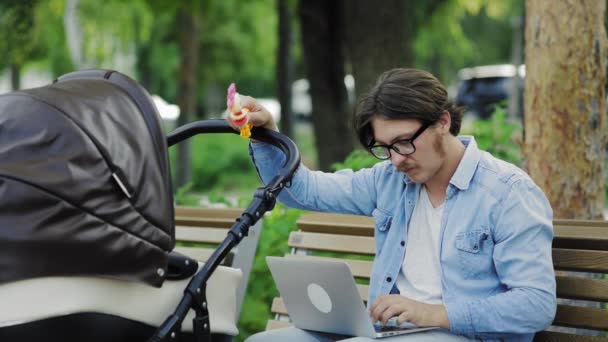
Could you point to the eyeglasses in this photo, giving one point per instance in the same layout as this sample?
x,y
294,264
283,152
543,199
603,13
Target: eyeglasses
x,y
403,147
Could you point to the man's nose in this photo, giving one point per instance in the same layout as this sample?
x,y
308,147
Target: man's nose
x,y
397,159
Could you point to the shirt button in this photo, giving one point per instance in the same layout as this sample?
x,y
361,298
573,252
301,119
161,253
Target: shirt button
x,y
402,243
389,279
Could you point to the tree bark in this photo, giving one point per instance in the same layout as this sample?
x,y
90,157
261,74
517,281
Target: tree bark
x,y
189,44
285,68
565,122
322,41
378,39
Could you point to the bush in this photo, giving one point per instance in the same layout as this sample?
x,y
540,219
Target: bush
x,y
500,137
356,160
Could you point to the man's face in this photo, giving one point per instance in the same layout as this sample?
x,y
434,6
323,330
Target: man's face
x,y
429,156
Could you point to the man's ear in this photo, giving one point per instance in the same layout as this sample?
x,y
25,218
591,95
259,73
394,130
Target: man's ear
x,y
445,122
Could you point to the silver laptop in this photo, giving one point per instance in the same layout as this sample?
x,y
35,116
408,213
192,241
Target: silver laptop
x,y
322,296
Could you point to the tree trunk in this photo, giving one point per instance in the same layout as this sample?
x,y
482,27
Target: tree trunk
x,y
285,68
322,44
73,32
189,44
378,39
565,139
15,76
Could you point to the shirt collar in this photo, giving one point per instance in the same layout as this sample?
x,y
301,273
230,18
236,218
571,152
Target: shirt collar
x,y
467,166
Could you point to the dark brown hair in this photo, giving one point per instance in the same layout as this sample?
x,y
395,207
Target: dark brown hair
x,y
404,94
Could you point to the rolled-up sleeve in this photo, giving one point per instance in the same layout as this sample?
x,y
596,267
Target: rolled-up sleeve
x,y
344,191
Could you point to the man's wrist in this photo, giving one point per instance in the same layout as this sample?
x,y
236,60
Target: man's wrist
x,y
440,316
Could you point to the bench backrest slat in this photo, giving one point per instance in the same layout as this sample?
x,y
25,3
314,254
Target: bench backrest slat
x,y
336,224
582,288
580,260
580,317
332,242
580,223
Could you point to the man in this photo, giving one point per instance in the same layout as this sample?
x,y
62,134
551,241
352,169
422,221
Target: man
x,y
463,240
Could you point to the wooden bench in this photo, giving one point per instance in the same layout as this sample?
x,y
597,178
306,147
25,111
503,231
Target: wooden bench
x,y
199,230
578,246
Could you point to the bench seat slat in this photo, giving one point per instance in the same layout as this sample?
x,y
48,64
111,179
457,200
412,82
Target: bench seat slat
x,y
200,254
582,288
580,260
200,234
580,317
332,243
359,268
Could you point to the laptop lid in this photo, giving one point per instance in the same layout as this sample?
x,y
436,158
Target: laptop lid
x,y
321,295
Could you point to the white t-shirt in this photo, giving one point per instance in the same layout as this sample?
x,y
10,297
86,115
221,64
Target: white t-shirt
x,y
419,278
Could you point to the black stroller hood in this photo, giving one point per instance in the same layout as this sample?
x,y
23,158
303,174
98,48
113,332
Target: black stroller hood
x,y
84,181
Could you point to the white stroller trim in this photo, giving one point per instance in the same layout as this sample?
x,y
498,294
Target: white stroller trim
x,y
40,298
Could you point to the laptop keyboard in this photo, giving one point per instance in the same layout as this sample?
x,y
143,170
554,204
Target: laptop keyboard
x,y
383,328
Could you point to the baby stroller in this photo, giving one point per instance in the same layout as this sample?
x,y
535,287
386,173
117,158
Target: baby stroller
x,y
87,219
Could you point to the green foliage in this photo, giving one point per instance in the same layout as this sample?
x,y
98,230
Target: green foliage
x,y
498,136
261,288
184,197
220,164
235,39
16,31
110,28
236,46
51,48
356,160
462,33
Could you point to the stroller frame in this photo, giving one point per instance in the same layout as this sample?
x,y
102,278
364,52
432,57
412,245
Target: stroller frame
x,y
264,200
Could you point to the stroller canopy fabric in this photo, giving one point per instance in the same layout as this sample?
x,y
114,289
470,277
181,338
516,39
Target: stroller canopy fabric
x,y
84,181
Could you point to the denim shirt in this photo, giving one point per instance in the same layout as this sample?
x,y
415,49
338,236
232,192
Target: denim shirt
x,y
495,239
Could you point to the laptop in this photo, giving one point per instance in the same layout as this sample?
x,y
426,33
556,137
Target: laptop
x,y
322,296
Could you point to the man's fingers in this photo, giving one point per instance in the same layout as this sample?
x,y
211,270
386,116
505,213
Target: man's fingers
x,y
389,313
250,103
403,317
378,309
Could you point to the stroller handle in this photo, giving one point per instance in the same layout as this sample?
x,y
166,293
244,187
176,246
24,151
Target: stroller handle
x,y
263,201
262,134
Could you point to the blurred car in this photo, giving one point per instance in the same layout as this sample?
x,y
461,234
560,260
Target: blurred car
x,y
481,88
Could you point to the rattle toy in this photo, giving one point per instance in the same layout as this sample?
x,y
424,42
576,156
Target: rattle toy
x,y
237,114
